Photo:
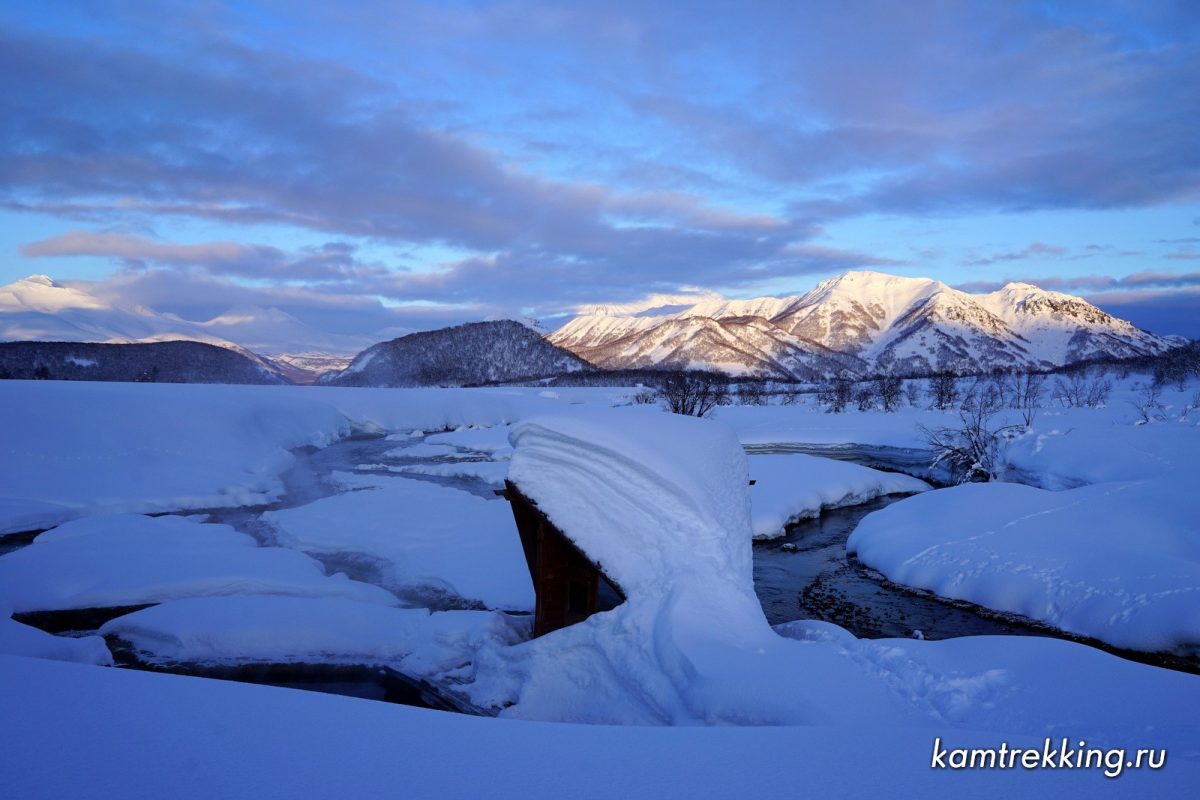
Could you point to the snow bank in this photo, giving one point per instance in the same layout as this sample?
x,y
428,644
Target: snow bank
x,y
130,559
793,487
24,640
1118,562
139,734
493,441
427,540
490,472
75,448
282,630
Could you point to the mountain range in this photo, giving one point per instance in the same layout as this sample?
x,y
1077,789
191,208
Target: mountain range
x,y
858,322
861,322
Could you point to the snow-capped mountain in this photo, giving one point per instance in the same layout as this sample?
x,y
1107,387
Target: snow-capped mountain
x,y
38,308
863,322
471,354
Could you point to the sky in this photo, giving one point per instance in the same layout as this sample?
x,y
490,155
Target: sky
x,y
402,166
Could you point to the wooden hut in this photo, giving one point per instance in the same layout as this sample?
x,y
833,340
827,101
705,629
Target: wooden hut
x,y
569,587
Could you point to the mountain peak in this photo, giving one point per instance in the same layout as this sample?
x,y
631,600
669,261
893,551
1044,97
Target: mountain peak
x,y
41,280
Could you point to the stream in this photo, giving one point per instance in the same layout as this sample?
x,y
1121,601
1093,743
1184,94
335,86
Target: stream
x,y
807,574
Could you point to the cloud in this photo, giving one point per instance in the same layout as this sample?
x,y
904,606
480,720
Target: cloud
x,y
1035,250
1095,283
333,261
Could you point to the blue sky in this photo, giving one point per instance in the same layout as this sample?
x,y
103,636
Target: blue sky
x,y
374,165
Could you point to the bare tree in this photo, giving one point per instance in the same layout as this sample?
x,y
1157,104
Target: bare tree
x,y
835,394
1025,393
1147,403
864,397
943,388
791,396
693,394
912,393
751,393
1077,389
887,388
972,451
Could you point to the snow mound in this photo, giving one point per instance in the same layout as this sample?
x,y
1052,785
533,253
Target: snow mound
x,y
282,630
427,540
24,640
1119,562
794,487
648,496
129,559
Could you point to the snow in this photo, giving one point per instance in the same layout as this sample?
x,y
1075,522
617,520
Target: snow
x,y
492,441
427,539
1118,562
490,472
129,559
24,640
421,450
87,448
284,630
643,493
136,734
794,487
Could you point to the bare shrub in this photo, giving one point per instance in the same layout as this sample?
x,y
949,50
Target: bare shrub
x,y
835,394
1148,405
971,451
1077,390
693,394
645,397
751,394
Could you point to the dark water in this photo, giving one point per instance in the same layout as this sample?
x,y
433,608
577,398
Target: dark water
x,y
807,575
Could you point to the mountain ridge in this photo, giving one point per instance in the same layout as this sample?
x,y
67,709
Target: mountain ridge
x,y
861,322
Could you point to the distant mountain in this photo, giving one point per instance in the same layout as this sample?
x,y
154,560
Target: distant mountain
x,y
152,362
271,331
862,322
38,308
465,355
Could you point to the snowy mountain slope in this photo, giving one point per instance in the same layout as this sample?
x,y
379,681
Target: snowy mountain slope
x,y
864,321
152,362
271,331
471,354
39,309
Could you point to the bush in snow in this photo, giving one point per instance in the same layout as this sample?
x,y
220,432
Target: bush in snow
x,y
835,394
1077,390
1148,405
972,451
693,394
752,394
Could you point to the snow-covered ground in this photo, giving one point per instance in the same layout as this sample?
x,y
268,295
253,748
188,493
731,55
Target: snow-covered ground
x,y
427,540
136,734
793,487
285,630
1107,547
130,559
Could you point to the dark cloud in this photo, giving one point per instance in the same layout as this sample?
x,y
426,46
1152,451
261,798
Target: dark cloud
x,y
1166,313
